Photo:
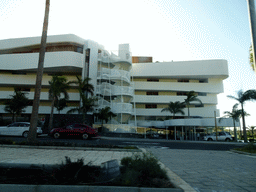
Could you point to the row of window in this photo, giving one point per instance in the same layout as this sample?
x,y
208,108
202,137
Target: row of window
x,y
178,93
179,80
154,106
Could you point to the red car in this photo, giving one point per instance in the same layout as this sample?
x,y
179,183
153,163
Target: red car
x,y
74,130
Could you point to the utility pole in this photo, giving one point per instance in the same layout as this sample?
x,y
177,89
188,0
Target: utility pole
x,y
252,22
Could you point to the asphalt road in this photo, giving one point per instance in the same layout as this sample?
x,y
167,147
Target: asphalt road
x,y
146,143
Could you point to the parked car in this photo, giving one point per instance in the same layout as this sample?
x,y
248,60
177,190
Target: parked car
x,y
221,136
18,129
74,130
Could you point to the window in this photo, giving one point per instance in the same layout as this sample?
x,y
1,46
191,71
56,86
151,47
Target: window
x,y
148,106
183,80
181,93
152,93
153,80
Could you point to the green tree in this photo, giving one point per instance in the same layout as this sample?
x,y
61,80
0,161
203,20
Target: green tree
x,y
34,115
191,97
87,106
105,114
58,86
235,114
60,104
16,104
175,108
242,97
84,87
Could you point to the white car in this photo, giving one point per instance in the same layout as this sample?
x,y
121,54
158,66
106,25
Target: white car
x,y
18,129
221,136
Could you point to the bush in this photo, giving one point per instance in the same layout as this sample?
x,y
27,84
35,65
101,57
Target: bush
x,y
250,148
143,171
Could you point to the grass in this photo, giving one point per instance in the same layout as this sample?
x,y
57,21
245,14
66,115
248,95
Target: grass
x,y
64,144
249,148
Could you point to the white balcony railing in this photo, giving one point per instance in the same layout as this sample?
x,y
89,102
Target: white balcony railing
x,y
108,89
105,73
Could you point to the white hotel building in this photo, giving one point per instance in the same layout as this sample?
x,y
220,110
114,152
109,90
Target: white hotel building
x,y
136,92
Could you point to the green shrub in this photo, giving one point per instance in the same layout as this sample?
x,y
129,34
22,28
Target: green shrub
x,y
6,141
143,171
250,148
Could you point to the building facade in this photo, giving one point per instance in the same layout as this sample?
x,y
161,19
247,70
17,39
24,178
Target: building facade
x,y
135,92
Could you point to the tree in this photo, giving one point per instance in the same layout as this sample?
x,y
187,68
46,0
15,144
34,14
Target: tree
x,y
60,104
242,97
174,108
16,104
191,97
105,114
58,86
235,114
34,115
87,106
84,87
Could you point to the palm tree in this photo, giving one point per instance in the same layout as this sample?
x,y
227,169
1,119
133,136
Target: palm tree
x,y
242,97
34,115
58,86
105,114
87,106
84,87
235,114
174,108
191,97
16,104
60,104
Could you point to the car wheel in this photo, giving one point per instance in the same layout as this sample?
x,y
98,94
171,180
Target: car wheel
x,y
56,135
85,136
227,139
210,139
25,134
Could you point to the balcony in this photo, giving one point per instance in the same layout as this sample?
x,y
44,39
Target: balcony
x,y
114,74
108,90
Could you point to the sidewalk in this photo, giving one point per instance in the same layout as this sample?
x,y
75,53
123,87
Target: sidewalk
x,y
56,155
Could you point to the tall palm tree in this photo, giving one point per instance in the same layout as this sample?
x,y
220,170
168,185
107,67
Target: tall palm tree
x,y
16,104
84,87
60,104
105,114
34,115
175,108
58,86
191,97
235,114
242,97
87,106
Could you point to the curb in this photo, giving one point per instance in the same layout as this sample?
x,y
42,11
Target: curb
x,y
242,152
175,179
71,148
77,188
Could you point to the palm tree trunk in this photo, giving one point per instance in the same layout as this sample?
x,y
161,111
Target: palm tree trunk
x,y
34,116
188,112
244,128
51,116
235,130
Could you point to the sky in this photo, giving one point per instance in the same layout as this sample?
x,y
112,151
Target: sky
x,y
178,30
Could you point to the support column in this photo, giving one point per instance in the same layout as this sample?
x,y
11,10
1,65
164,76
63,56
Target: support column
x,y
175,133
182,134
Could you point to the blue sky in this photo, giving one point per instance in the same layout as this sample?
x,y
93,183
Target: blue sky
x,y
165,29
